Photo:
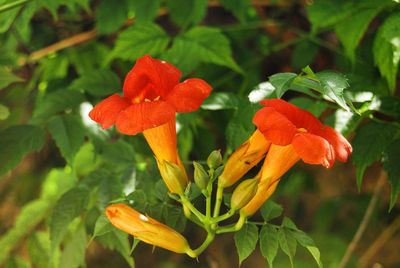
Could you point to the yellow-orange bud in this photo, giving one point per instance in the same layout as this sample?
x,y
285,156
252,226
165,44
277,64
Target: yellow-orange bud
x,y
173,177
147,229
243,159
244,192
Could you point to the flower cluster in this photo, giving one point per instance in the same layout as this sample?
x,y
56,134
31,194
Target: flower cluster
x,y
152,95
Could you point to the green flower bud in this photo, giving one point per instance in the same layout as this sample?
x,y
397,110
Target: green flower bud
x,y
173,177
201,177
244,193
214,160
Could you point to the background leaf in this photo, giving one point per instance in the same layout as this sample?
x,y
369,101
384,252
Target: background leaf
x,y
246,241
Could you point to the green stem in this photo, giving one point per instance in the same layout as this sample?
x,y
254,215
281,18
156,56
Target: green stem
x,y
233,228
207,241
13,5
186,202
218,201
224,216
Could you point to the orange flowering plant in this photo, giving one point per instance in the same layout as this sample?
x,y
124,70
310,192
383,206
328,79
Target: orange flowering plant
x,y
152,95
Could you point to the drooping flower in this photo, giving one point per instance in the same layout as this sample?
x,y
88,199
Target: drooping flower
x,y
249,154
152,95
147,229
294,134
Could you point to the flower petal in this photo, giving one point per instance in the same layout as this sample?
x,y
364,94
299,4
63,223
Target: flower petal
x,y
299,117
105,113
313,149
141,116
150,78
275,126
341,146
188,95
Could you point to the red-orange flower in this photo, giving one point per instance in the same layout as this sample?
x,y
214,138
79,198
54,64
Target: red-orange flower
x,y
294,134
152,96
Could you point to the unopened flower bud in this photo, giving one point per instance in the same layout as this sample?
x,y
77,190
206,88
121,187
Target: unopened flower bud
x,y
201,177
244,193
173,177
147,229
214,160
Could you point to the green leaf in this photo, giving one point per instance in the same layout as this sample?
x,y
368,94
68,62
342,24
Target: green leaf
x,y
269,243
304,54
369,143
145,11
391,165
30,216
56,102
282,82
351,30
240,127
239,8
7,78
246,241
201,44
138,40
56,183
98,82
119,241
8,17
175,218
137,199
68,133
68,207
102,226
287,242
38,245
271,210
345,122
186,12
16,141
333,85
73,254
110,17
221,101
386,49
4,112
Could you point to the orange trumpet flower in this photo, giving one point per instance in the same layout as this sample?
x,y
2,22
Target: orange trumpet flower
x,y
152,95
295,134
147,229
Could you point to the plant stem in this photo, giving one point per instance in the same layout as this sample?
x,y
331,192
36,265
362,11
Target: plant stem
x,y
233,228
207,241
218,201
13,5
186,202
364,222
224,216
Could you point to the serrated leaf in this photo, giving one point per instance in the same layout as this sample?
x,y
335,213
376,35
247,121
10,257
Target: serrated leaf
x,y
98,82
386,49
56,102
30,215
220,101
201,44
369,143
186,12
138,40
271,210
145,11
246,241
68,207
119,241
137,199
287,242
269,243
110,17
175,218
102,226
240,127
281,82
16,141
68,133
391,165
333,85
7,78
73,254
